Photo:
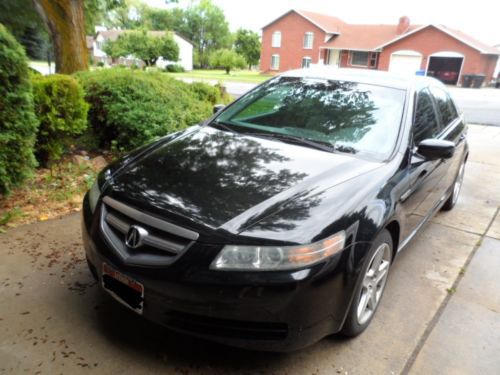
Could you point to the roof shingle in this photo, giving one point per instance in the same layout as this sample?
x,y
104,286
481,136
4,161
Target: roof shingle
x,y
365,37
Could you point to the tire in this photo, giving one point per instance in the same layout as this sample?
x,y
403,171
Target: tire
x,y
455,192
358,318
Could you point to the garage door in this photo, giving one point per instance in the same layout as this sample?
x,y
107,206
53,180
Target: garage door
x,y
405,62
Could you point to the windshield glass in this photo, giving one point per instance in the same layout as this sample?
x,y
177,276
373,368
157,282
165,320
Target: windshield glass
x,y
351,117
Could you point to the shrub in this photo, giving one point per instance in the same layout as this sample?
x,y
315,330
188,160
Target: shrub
x,y
174,68
17,119
130,107
100,64
62,112
212,94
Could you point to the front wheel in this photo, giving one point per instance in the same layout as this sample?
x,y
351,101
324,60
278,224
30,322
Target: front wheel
x,y
369,292
457,186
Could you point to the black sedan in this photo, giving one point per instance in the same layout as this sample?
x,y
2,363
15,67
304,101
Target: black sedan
x,y
275,223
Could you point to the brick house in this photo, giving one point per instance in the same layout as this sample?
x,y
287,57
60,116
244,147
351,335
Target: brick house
x,y
301,38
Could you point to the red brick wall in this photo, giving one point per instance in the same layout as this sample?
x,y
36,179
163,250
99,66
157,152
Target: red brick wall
x,y
292,27
431,40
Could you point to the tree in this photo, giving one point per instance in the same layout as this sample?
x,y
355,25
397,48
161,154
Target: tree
x,y
124,16
206,26
115,49
96,12
247,44
133,14
21,19
17,15
144,46
162,19
64,20
227,59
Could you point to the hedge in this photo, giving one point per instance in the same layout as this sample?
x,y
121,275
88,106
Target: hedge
x,y
213,94
129,108
18,123
62,112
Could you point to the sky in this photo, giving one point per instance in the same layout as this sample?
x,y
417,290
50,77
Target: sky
x,y
478,18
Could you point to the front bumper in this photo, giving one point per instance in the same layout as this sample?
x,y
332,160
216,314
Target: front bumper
x,y
275,311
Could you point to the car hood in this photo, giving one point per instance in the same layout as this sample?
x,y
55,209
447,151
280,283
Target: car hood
x,y
217,179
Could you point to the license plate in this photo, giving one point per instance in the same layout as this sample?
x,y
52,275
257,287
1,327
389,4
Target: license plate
x,y
124,289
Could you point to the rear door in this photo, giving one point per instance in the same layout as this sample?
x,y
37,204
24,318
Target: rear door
x,y
424,175
453,130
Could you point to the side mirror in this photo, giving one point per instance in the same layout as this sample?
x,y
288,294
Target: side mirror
x,y
218,107
433,149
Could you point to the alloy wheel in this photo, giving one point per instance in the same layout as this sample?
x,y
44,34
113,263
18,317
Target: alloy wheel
x,y
374,283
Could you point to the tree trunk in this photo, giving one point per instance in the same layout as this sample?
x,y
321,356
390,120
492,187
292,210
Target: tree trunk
x,y
228,69
66,26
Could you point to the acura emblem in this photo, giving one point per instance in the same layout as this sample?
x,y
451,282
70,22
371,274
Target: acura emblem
x,y
135,236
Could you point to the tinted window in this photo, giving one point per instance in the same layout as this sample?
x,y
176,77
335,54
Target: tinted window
x,y
425,124
446,109
364,118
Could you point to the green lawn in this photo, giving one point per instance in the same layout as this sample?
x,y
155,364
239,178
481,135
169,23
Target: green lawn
x,y
220,75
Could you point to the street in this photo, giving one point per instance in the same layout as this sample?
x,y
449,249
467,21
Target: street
x,y
480,106
440,313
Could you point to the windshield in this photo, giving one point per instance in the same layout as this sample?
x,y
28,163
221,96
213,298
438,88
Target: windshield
x,y
349,116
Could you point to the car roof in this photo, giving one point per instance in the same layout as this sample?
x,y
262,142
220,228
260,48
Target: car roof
x,y
376,77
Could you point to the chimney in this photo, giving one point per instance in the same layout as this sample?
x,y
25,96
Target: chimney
x,y
403,25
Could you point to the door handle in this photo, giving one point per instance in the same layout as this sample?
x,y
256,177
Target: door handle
x,y
422,174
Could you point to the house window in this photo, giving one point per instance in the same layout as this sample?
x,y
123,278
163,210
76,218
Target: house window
x,y
373,59
276,42
359,58
275,62
306,62
364,59
308,40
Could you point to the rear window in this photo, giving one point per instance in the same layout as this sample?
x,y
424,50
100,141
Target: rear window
x,y
365,118
446,108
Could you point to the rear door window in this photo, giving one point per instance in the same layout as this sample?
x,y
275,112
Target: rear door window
x,y
446,109
425,124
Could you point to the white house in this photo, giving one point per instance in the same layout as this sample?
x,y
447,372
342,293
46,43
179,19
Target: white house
x,y
185,48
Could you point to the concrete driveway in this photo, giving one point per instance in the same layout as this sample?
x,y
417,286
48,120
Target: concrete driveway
x,y
435,316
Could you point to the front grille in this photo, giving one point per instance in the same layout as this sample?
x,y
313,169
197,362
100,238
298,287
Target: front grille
x,y
160,244
225,327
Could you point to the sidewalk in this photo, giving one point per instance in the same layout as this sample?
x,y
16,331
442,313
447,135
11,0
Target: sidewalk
x,y
466,339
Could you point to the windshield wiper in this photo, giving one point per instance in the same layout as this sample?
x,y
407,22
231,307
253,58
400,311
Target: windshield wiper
x,y
323,146
223,125
320,145
344,148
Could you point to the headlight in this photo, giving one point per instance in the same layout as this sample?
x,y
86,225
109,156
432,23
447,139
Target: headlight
x,y
270,258
94,194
